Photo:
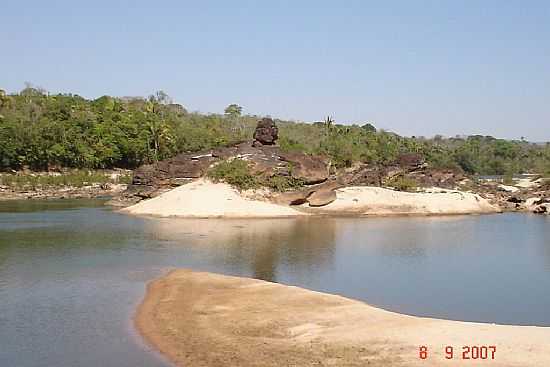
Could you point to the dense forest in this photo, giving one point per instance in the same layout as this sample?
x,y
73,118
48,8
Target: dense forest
x,y
39,130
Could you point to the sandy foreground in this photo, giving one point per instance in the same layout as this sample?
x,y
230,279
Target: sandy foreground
x,y
205,319
204,199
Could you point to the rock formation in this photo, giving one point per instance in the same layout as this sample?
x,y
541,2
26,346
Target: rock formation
x,y
310,169
266,132
321,198
264,158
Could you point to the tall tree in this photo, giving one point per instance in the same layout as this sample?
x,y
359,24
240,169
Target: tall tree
x,y
233,110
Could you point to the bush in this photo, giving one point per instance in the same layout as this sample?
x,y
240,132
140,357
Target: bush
x,y
403,184
508,179
282,183
75,178
235,173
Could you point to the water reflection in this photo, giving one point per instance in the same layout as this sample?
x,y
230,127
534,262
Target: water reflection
x,y
27,206
261,245
414,238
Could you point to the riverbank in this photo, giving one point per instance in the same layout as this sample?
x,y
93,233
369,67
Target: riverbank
x,y
68,184
205,199
205,319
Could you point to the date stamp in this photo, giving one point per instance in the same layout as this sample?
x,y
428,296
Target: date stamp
x,y
477,352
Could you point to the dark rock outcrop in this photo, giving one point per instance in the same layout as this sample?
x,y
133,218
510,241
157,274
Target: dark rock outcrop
x,y
410,161
264,157
179,167
365,175
310,169
266,132
264,160
430,177
515,200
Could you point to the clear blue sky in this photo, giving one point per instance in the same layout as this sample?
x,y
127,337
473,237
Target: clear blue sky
x,y
413,67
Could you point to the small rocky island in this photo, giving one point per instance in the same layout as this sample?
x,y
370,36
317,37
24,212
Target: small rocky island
x,y
309,183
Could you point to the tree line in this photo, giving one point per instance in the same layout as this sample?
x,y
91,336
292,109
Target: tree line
x,y
39,130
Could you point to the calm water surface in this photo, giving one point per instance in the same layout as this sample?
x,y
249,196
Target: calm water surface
x,y
72,272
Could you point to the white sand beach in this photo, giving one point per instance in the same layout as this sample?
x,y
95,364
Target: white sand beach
x,y
366,200
205,199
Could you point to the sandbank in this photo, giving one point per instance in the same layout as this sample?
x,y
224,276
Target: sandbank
x,y
205,199
205,319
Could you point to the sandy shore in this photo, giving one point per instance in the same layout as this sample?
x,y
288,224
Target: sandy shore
x,y
365,200
204,199
205,319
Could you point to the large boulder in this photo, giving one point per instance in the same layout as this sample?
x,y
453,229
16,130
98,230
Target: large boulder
x,y
311,169
266,132
315,195
321,198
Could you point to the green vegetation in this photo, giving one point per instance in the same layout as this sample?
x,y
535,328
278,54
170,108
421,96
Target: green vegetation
x,y
75,178
40,131
236,173
508,179
282,183
403,184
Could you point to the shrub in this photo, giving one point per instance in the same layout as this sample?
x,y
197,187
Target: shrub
x,y
403,184
508,179
235,173
74,178
282,183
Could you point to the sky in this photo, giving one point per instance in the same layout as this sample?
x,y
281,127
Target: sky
x,y
413,67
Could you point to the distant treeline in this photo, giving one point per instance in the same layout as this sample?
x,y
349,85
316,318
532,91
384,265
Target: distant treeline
x,y
39,130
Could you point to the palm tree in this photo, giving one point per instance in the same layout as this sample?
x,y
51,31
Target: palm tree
x,y
329,122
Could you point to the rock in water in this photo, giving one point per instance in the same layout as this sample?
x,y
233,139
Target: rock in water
x,y
266,132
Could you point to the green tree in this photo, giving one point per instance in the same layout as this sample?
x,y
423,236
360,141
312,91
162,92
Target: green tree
x,y
233,110
369,128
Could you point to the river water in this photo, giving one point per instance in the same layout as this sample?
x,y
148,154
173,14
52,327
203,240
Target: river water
x,y
72,272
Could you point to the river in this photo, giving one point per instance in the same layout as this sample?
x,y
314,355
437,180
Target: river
x,y
72,272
